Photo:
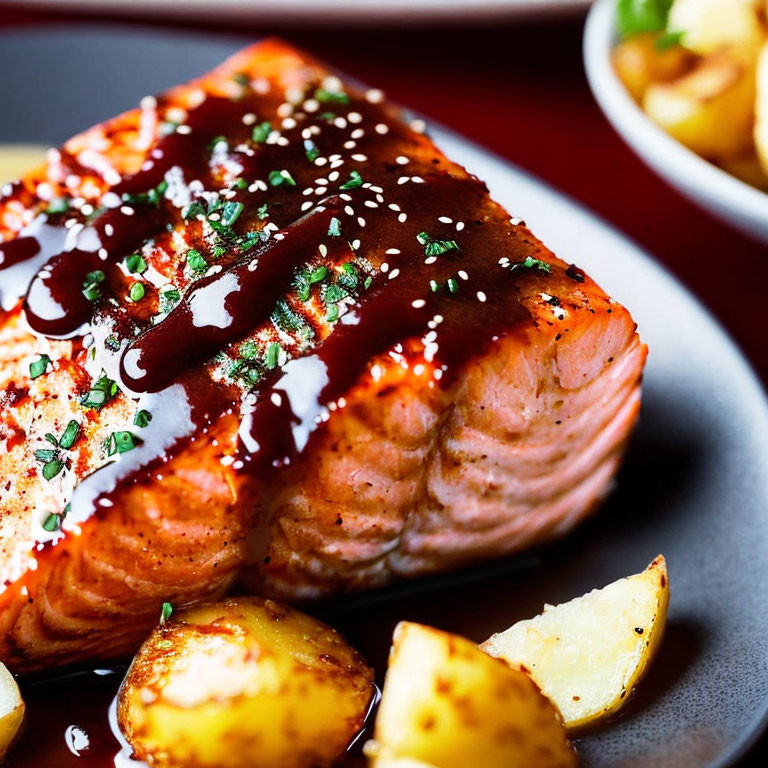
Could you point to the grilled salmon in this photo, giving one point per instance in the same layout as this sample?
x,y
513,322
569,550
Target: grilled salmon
x,y
260,333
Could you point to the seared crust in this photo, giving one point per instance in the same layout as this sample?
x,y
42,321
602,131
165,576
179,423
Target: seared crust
x,y
405,478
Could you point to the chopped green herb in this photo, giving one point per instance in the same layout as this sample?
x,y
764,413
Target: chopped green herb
x,y
277,178
334,293
434,247
196,262
530,263
355,180
52,523
70,434
142,418
167,127
100,393
218,251
249,350
52,468
325,96
262,212
137,291
231,212
111,342
153,196
169,298
51,439
261,132
216,141
334,228
286,320
193,210
453,284
241,78
636,16
57,205
368,282
135,264
240,183
39,366
92,283
165,613
349,277
311,150
272,355
121,442
247,370
44,455
434,286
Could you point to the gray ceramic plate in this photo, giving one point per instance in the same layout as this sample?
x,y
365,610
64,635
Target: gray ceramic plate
x,y
695,483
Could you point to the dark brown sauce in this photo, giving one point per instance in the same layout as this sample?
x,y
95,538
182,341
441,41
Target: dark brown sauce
x,y
460,295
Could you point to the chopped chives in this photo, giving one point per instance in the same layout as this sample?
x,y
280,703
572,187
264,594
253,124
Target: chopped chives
x,y
261,132
39,366
69,436
355,180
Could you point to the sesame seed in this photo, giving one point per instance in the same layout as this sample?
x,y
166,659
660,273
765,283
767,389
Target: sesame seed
x,y
323,248
337,163
418,304
359,158
358,133
321,190
279,235
371,204
402,218
394,207
282,141
249,118
382,129
307,191
481,296
349,210
361,221
403,179
418,126
462,274
289,123
340,122
333,175
445,220
374,95
148,102
311,105
392,251
184,130
103,255
306,205
350,144
394,273
355,117
515,222
306,133
402,160
345,196
430,260
417,180
127,210
321,161
284,110
459,226
355,244
384,267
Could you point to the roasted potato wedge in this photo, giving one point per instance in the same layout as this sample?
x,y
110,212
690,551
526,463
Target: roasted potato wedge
x,y
447,704
710,109
11,709
707,26
639,62
588,654
241,682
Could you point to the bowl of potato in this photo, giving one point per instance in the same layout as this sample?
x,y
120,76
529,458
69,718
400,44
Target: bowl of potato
x,y
685,83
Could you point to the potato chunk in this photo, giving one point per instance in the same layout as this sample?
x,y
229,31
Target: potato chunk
x,y
241,682
11,709
447,704
638,62
589,653
707,26
710,109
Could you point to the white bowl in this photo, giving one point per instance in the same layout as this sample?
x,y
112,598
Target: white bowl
x,y
723,195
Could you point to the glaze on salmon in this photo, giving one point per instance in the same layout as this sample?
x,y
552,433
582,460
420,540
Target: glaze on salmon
x,y
260,333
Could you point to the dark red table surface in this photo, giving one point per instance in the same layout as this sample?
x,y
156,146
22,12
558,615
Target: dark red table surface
x,y
520,90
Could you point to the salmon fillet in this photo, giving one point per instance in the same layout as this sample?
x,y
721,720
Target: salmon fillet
x,y
261,334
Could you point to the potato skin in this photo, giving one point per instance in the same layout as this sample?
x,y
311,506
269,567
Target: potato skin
x,y
226,684
447,704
